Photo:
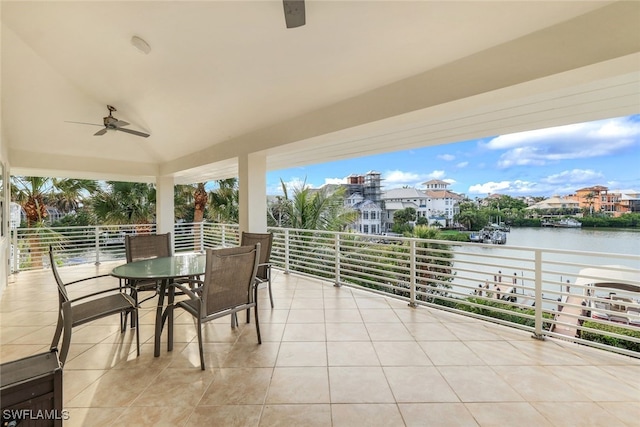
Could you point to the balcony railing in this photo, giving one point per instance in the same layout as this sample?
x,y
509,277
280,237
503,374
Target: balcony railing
x,y
531,289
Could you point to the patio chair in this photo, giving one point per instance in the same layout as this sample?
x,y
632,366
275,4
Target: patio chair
x,y
87,308
229,286
264,267
145,246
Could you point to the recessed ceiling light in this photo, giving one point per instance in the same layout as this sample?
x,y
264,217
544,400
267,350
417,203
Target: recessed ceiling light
x,y
140,44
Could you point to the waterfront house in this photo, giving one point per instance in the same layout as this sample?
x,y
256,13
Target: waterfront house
x,y
369,220
441,201
557,203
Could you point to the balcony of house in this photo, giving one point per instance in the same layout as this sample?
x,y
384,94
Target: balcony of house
x,y
363,332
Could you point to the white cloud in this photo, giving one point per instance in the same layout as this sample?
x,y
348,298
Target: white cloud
x,y
577,141
446,157
504,187
574,177
437,175
398,178
335,180
462,165
292,184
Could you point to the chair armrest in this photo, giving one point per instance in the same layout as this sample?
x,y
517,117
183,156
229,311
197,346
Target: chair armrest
x,y
93,294
87,278
188,291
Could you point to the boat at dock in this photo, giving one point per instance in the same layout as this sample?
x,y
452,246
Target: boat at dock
x,y
563,223
612,293
489,235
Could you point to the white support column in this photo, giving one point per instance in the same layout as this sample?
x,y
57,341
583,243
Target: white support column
x,y
252,183
165,215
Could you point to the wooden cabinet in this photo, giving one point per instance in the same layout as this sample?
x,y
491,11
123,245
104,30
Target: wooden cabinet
x,y
31,391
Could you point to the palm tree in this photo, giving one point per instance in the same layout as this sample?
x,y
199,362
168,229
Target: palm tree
x,y
71,193
200,198
33,193
29,192
224,201
183,202
278,212
125,203
316,210
589,197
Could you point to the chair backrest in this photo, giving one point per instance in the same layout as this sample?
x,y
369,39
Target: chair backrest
x,y
229,277
266,241
146,246
62,291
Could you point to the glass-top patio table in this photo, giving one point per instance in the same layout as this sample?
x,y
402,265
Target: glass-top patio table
x,y
164,270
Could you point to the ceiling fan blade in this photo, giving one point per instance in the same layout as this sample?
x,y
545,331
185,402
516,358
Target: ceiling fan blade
x,y
294,14
134,132
100,132
120,123
83,123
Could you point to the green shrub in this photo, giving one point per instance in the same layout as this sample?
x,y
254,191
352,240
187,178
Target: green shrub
x,y
609,340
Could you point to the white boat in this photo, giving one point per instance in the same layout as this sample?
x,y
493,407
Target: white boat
x,y
563,223
612,293
568,223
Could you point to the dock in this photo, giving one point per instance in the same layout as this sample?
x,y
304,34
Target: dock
x,y
568,320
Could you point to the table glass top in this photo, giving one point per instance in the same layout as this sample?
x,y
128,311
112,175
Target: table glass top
x,y
162,268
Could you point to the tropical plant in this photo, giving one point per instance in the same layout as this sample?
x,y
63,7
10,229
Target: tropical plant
x,y
471,216
589,197
316,209
121,203
70,194
33,193
200,198
183,202
224,202
278,212
433,261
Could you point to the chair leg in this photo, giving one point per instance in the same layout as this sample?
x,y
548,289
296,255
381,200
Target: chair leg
x,y
234,319
258,327
200,344
270,294
134,294
123,321
255,308
135,314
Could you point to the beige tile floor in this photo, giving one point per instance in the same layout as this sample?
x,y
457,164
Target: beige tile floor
x,y
330,357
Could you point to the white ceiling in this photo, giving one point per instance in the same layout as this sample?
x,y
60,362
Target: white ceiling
x,y
226,78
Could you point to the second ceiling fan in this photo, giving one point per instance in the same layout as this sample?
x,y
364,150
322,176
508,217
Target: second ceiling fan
x,y
294,14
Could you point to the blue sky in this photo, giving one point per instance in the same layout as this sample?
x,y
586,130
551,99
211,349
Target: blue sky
x,y
543,162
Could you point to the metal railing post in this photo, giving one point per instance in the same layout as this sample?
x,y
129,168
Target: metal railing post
x,y
337,263
224,236
96,232
201,227
286,251
412,273
16,259
538,296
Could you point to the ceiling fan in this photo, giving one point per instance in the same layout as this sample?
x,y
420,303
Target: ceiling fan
x,y
294,13
111,123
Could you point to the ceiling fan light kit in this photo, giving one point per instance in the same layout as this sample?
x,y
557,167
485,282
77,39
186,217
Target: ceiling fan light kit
x,y
140,44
